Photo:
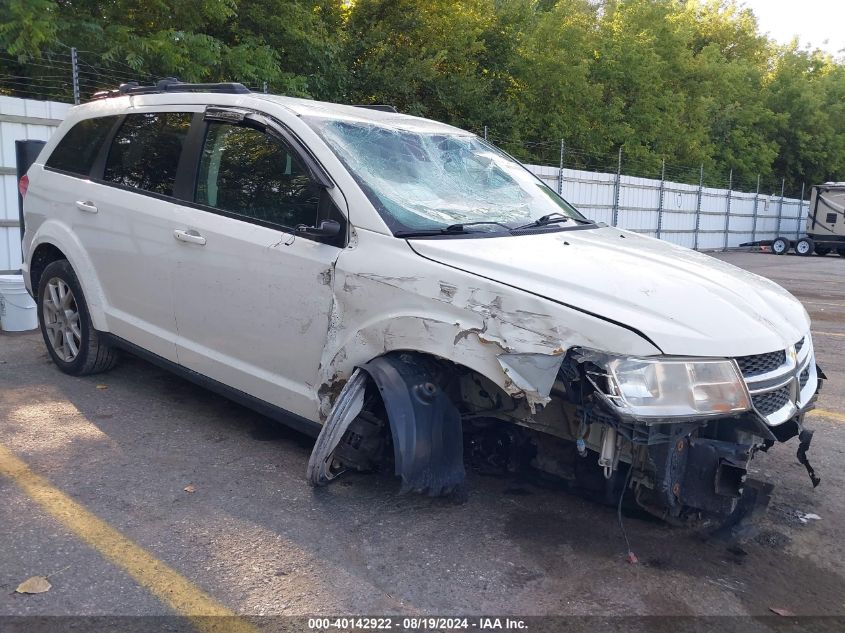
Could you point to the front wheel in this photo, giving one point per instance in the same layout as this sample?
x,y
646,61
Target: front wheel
x,y
804,247
72,342
780,246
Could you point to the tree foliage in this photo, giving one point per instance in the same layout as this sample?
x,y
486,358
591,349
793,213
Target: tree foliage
x,y
689,82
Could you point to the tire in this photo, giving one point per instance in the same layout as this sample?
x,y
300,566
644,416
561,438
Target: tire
x,y
821,251
841,252
804,247
780,246
71,340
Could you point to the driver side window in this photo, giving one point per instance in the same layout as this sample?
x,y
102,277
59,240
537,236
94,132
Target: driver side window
x,y
248,173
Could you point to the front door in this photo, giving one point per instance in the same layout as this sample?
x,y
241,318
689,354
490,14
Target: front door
x,y
252,296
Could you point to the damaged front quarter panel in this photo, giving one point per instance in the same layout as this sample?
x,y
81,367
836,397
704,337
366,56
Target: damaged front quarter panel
x,y
514,340
533,374
405,302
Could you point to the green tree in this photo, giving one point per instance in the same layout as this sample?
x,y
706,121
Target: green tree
x,y
292,45
689,81
552,92
426,57
807,94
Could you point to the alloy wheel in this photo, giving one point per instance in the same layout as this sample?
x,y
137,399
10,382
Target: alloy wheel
x,y
61,319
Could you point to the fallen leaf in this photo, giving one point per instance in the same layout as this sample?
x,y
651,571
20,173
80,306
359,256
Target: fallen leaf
x,y
632,558
102,387
36,584
784,612
814,517
190,488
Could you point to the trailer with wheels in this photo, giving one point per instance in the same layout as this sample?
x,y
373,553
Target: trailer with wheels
x,y
825,225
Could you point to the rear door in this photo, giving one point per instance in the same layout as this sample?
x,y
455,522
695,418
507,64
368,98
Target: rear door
x,y
253,295
128,232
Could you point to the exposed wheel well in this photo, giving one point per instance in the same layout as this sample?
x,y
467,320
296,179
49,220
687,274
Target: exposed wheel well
x,y
43,256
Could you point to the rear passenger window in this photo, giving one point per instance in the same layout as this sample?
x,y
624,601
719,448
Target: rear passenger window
x,y
249,173
145,151
77,150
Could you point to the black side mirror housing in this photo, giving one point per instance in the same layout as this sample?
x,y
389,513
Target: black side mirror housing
x,y
326,228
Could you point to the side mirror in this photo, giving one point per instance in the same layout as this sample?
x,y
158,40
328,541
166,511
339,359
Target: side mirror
x,y
327,228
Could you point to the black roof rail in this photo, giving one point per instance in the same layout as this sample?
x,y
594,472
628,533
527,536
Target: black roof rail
x,y
381,107
171,84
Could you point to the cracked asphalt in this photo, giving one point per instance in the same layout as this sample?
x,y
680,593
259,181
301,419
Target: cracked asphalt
x,y
257,539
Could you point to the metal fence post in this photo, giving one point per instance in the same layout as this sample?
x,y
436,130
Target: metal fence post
x,y
754,217
698,207
660,203
264,87
728,210
617,188
74,65
560,170
801,215
800,206
485,132
780,205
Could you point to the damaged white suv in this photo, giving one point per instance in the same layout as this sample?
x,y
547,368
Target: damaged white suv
x,y
411,295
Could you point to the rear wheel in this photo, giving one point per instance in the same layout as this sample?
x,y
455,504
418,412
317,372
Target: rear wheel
x,y
804,247
780,246
822,250
72,342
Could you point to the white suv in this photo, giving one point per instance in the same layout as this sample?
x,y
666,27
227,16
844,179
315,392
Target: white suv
x,y
411,295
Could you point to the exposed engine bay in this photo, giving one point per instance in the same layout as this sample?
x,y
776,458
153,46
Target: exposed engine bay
x,y
427,419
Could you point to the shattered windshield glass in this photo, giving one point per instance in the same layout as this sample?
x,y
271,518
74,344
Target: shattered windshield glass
x,y
430,180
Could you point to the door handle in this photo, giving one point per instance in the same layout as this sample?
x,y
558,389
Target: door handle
x,y
190,236
86,205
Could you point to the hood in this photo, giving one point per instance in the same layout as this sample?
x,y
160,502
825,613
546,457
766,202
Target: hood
x,y
686,302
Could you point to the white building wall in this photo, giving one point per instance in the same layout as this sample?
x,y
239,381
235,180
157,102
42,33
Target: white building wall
x,y
19,119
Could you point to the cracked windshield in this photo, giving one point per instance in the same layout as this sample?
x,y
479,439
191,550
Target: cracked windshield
x,y
428,181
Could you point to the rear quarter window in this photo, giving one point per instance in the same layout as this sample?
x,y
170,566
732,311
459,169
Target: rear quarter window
x,y
146,149
78,148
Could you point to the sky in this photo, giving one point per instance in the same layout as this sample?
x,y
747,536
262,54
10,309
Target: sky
x,y
813,21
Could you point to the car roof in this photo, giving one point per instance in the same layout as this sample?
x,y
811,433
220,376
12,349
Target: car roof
x,y
305,108
324,109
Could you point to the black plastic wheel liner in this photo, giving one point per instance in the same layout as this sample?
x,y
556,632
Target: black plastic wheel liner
x,y
424,423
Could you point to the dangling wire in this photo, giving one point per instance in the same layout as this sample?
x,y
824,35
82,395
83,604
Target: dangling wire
x,y
632,558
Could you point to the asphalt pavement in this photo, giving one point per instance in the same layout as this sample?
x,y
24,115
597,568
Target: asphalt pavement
x,y
139,494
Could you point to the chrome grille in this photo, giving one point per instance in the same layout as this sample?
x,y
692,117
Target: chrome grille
x,y
760,364
768,403
779,382
805,376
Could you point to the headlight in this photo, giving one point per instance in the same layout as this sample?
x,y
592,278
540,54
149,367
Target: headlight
x,y
665,387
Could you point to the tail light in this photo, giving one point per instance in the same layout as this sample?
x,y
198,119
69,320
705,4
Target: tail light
x,y
23,185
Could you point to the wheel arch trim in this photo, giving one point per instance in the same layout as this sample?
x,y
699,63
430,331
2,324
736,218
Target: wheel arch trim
x,y
60,236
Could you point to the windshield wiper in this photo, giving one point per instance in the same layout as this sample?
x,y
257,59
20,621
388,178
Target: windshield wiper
x,y
551,218
452,229
459,227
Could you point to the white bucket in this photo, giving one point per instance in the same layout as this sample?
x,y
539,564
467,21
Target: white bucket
x,y
17,309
